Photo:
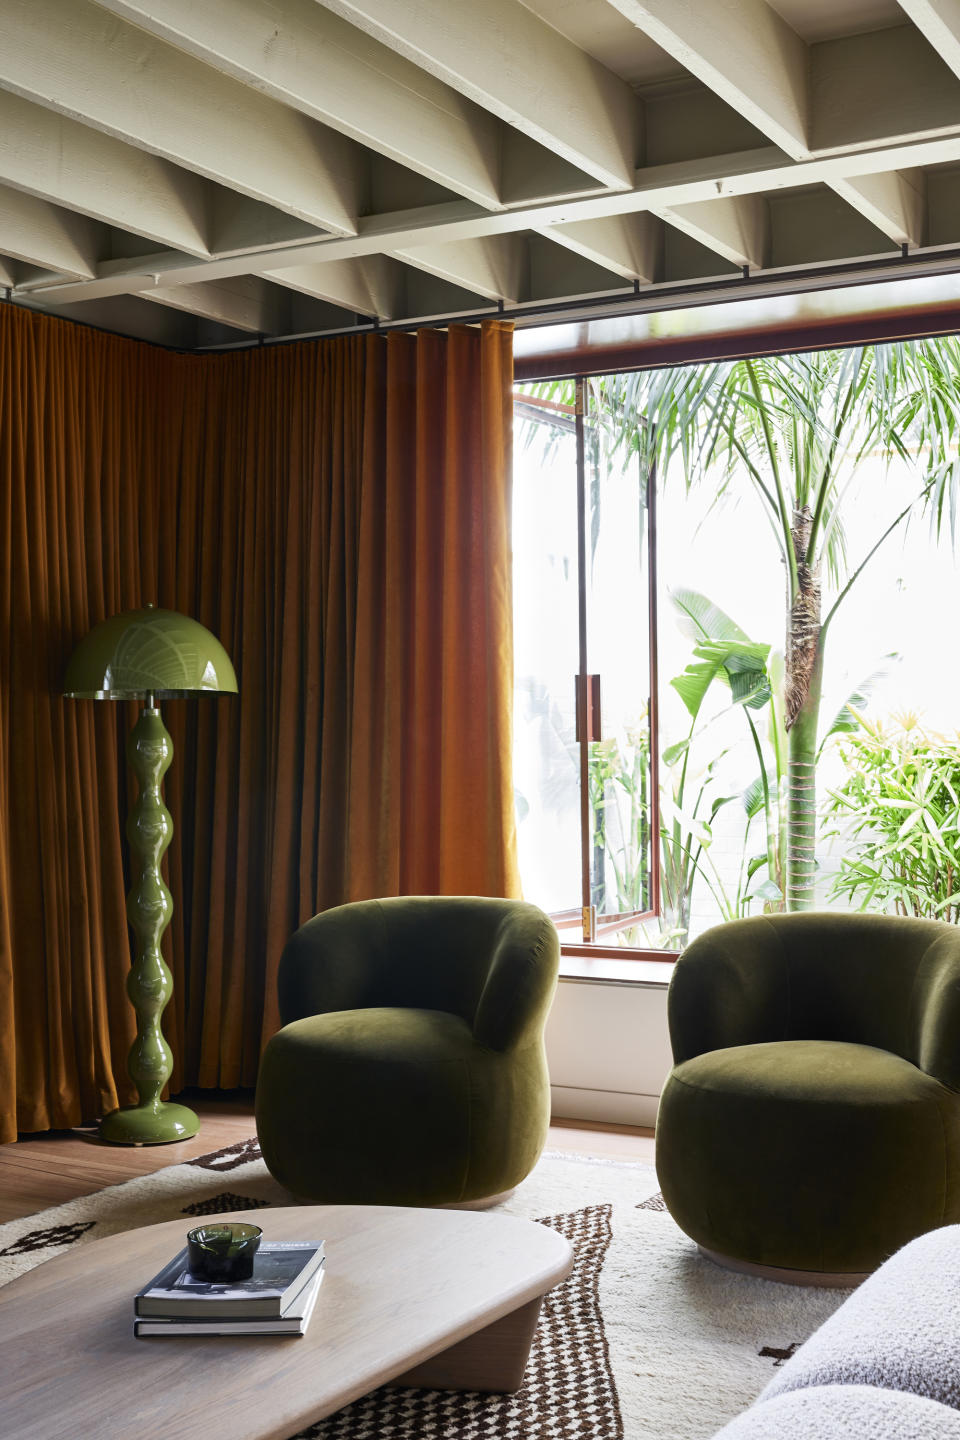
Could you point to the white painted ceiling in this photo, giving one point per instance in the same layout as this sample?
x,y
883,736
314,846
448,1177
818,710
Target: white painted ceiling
x,y
610,37
207,172
827,20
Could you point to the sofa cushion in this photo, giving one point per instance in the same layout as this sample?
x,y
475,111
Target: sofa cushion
x,y
899,1330
844,1412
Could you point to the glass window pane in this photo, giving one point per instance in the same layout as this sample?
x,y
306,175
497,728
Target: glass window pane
x,y
546,655
618,649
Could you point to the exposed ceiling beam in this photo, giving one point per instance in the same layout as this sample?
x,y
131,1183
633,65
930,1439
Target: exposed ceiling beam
x,y
129,85
807,98
531,173
859,91
246,303
158,324
943,206
753,172
507,60
495,266
82,169
8,272
738,229
373,286
879,88
895,201
42,234
241,226
628,245
557,272
427,297
70,164
939,21
312,60
887,85
686,260
745,53
816,227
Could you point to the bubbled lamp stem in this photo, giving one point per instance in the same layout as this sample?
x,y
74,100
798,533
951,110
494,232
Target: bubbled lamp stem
x,y
149,983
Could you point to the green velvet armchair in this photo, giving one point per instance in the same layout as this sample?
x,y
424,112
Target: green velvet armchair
x,y
410,1069
811,1121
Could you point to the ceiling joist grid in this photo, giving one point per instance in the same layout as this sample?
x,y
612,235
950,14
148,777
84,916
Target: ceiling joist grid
x,y
205,175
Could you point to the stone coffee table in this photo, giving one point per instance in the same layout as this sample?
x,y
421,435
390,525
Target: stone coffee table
x,y
441,1298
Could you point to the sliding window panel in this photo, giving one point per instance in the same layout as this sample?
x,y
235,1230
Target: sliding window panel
x,y
622,804
546,656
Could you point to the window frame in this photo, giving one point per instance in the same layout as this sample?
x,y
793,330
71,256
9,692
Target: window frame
x,y
584,916
589,358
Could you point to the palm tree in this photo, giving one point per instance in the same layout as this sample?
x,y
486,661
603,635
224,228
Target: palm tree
x,y
798,426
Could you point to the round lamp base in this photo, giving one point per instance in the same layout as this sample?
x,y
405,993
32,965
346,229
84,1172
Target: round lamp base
x,y
149,1125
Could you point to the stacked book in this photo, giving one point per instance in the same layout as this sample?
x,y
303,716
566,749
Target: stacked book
x,y
278,1299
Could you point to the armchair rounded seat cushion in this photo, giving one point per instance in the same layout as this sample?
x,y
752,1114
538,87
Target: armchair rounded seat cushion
x,y
811,1121
411,1067
805,1154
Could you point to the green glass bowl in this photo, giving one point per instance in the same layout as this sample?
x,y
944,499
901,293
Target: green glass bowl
x,y
222,1252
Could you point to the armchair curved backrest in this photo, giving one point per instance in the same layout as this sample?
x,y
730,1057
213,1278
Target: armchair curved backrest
x,y
876,980
492,962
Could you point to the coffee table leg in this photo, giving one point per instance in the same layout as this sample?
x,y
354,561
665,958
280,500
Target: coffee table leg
x,y
492,1359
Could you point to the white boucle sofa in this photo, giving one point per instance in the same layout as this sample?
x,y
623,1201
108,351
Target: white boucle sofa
x,y
885,1366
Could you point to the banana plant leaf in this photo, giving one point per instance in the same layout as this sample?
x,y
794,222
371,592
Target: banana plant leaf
x,y
700,619
741,664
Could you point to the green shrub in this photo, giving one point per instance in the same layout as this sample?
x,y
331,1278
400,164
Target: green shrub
x,y
902,812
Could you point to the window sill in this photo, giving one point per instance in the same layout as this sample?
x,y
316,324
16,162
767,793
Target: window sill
x,y
654,974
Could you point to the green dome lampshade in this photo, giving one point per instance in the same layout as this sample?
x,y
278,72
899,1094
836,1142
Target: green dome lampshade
x,y
147,652
148,655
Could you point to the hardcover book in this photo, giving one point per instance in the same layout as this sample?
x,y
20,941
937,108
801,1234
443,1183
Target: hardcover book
x,y
281,1269
293,1322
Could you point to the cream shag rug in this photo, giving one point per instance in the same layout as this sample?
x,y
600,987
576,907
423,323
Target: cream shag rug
x,y
647,1340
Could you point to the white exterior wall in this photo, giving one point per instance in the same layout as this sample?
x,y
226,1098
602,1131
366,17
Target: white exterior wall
x,y
608,1050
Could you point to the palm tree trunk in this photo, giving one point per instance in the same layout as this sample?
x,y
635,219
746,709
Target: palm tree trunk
x,y
804,678
802,797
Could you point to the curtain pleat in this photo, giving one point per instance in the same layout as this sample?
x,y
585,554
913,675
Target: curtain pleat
x,y
338,514
431,798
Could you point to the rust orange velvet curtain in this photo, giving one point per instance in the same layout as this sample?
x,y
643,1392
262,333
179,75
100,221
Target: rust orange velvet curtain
x,y
337,512
430,794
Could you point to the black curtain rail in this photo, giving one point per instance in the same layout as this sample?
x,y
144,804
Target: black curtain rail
x,y
636,300
633,299
8,298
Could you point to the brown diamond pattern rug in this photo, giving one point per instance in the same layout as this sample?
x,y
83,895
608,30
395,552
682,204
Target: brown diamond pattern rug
x,y
646,1340
568,1389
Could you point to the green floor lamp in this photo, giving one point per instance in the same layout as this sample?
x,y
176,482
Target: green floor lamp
x,y
148,655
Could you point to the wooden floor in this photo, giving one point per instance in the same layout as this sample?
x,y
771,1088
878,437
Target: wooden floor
x,y
50,1168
